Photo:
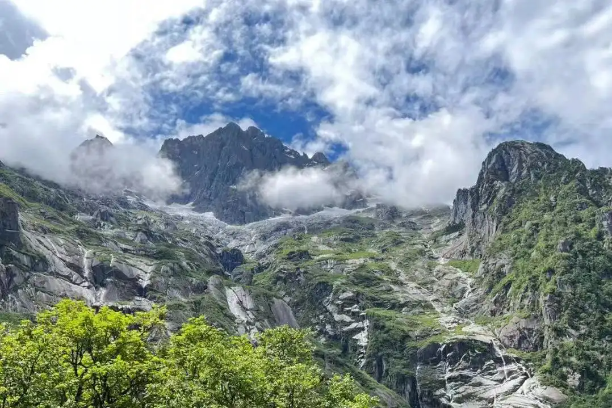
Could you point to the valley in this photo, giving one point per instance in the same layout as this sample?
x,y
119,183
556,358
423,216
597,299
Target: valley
x,y
477,305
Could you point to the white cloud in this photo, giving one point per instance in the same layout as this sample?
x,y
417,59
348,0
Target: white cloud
x,y
413,89
554,59
359,74
292,188
183,53
561,56
84,38
58,93
101,169
310,146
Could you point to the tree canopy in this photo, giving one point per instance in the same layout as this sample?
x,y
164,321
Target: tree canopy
x,y
75,356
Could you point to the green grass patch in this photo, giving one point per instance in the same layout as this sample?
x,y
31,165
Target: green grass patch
x,y
6,191
466,265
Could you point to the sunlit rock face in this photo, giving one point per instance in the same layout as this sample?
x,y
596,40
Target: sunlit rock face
x,y
214,166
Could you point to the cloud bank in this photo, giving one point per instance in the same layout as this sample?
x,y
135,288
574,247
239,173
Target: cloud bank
x,y
291,188
99,167
413,93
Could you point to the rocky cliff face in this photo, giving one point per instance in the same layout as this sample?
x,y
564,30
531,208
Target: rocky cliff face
x,y
214,165
481,207
9,223
538,223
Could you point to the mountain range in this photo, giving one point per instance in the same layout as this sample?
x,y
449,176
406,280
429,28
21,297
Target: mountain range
x,y
502,300
213,166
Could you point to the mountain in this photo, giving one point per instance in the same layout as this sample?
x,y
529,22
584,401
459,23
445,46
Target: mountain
x,y
95,168
541,225
90,160
503,300
214,165
481,207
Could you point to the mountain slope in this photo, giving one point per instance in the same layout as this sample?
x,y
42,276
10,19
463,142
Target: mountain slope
x,y
503,300
541,223
213,166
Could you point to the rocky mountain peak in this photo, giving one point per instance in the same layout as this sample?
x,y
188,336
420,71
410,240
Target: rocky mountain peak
x,y
320,158
518,160
88,161
213,166
481,207
97,144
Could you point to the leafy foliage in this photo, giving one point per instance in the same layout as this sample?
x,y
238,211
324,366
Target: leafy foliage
x,y
74,356
562,263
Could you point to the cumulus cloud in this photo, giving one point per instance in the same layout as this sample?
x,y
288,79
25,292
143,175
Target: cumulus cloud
x,y
291,188
57,74
99,167
419,97
44,121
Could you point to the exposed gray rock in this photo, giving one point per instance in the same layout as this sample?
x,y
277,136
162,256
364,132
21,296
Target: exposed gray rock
x,y
387,213
320,158
283,314
231,258
480,208
472,373
141,238
243,274
213,166
249,319
522,334
9,222
104,215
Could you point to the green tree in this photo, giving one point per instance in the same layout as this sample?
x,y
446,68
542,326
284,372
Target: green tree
x,y
74,356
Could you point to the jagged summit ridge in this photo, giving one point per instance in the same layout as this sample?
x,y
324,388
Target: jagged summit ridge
x,y
516,160
481,206
231,134
212,166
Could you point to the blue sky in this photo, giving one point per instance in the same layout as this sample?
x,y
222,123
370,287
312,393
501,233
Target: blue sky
x,y
413,93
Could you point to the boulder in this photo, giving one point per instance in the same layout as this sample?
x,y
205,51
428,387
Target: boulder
x,y
522,334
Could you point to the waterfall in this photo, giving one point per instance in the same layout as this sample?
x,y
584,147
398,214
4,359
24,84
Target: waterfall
x,y
501,354
86,265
